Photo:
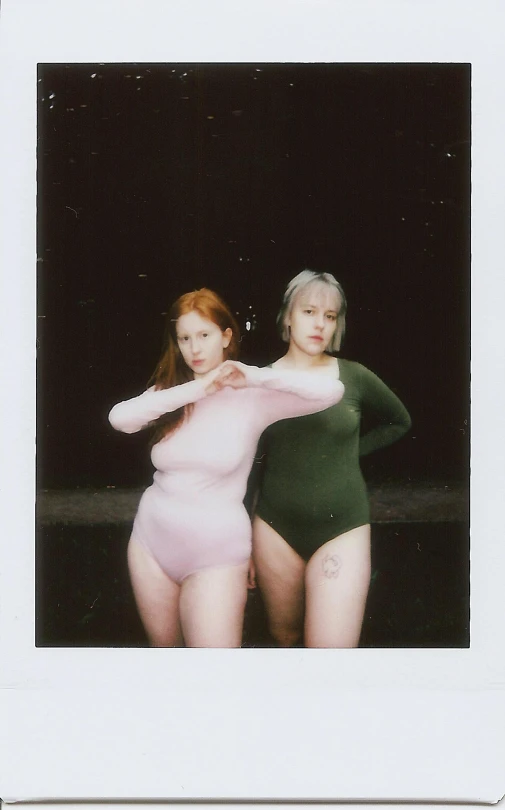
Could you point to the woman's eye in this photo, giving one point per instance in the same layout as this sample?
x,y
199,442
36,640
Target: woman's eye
x,y
182,339
308,311
205,334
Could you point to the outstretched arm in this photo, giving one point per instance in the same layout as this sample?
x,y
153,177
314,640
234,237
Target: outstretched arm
x,y
393,418
134,414
284,393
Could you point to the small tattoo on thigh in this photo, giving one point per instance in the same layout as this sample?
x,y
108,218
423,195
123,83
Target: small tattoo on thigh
x,y
331,565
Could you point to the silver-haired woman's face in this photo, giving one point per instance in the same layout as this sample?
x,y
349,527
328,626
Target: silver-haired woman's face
x,y
313,319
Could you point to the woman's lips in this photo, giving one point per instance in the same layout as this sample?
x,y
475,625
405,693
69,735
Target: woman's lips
x,y
197,362
315,337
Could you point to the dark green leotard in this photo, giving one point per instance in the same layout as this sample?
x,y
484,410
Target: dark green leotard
x,y
312,488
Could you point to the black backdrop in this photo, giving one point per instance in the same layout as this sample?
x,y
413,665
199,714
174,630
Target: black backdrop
x,y
155,179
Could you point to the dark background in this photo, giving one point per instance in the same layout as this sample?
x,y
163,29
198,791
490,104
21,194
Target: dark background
x,y
157,179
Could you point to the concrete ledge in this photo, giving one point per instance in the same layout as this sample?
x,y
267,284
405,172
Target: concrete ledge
x,y
390,503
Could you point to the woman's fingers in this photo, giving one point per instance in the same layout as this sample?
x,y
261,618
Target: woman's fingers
x,y
212,379
211,388
227,374
233,377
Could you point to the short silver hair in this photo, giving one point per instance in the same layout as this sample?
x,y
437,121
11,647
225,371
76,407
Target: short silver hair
x,y
300,284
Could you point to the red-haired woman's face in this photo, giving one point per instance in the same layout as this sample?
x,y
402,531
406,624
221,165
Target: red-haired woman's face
x,y
201,342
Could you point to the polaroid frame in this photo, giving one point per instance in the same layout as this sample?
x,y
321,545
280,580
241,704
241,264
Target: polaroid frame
x,y
236,725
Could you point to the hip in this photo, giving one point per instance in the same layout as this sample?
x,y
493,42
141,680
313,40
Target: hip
x,y
204,515
314,499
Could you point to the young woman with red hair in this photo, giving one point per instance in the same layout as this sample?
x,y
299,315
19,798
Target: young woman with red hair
x,y
189,550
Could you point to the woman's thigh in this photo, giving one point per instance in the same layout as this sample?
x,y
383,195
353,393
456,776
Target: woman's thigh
x,y
336,587
157,598
280,576
212,606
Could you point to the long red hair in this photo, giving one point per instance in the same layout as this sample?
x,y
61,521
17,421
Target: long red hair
x,y
171,369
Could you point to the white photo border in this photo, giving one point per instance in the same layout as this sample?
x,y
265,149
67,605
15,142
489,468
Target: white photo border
x,y
356,725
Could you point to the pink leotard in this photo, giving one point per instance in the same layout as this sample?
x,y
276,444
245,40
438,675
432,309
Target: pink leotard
x,y
192,516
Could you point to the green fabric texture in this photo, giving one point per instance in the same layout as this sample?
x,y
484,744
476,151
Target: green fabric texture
x,y
312,488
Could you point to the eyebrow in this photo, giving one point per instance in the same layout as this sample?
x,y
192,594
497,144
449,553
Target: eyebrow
x,y
200,332
315,306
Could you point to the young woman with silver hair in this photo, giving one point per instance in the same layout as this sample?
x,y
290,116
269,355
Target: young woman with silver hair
x,y
311,531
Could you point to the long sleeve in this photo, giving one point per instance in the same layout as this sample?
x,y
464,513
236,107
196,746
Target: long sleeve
x,y
284,393
384,406
134,414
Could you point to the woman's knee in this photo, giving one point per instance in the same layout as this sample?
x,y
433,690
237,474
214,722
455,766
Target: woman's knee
x,y
171,639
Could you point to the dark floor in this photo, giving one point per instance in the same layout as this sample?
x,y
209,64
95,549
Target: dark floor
x,y
419,595
404,502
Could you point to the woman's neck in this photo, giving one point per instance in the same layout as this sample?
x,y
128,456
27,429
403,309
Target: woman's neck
x,y
294,358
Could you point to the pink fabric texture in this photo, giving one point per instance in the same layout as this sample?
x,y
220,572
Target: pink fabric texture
x,y
192,516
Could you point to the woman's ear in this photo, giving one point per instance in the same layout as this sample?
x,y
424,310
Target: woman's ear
x,y
227,336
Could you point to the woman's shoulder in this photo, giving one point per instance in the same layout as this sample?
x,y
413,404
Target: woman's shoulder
x,y
352,371
351,366
360,375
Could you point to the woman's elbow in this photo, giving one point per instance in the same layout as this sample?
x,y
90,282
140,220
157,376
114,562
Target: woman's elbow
x,y
406,423
118,421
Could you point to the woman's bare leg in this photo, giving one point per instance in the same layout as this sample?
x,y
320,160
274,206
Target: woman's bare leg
x,y
212,606
280,576
336,587
157,598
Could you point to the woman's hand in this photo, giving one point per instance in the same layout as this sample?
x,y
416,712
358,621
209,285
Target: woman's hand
x,y
211,380
232,375
228,375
